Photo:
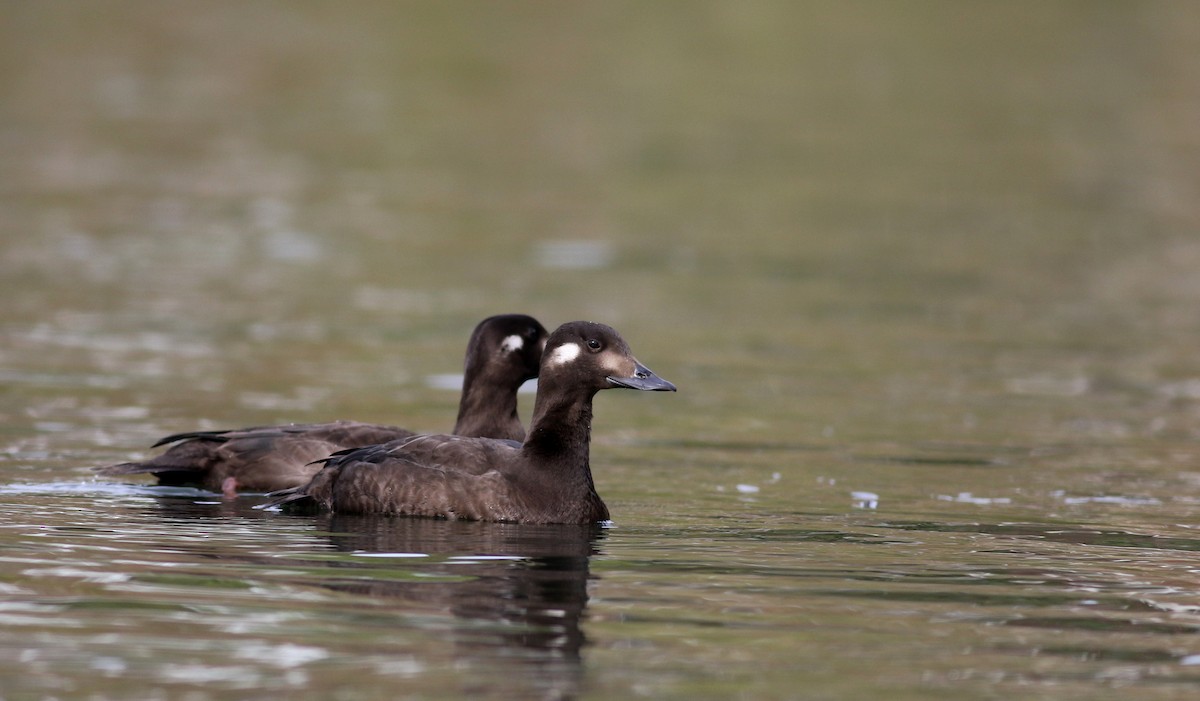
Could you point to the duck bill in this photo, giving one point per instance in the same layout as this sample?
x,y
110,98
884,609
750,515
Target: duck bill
x,y
642,379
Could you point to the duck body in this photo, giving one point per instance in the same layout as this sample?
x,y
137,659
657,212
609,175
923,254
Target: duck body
x,y
544,479
440,476
503,352
255,459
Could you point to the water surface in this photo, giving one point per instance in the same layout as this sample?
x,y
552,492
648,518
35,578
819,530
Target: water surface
x,y
925,275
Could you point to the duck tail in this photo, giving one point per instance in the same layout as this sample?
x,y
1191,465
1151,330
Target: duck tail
x,y
125,468
293,500
167,472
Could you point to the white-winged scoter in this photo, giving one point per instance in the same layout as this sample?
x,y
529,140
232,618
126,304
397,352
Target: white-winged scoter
x,y
503,352
545,479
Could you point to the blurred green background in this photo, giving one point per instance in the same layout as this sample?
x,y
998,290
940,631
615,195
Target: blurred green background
x,y
768,192
922,249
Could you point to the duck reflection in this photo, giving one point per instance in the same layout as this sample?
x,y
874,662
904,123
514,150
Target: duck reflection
x,y
516,593
532,580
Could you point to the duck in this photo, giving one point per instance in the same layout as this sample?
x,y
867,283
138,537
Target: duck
x,y
545,479
503,352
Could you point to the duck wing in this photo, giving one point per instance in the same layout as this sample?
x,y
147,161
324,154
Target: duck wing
x,y
441,476
261,458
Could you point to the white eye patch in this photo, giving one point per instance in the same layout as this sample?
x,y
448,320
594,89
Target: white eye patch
x,y
564,354
512,343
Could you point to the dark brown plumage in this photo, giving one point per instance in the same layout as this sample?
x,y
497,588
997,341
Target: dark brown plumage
x,y
546,479
503,352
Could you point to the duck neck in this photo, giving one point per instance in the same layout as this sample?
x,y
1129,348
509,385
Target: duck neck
x,y
561,429
488,409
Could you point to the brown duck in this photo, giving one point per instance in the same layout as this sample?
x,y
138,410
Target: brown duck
x,y
545,479
503,352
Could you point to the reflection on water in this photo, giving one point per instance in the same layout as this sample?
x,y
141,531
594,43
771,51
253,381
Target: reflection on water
x,y
269,601
286,603
519,592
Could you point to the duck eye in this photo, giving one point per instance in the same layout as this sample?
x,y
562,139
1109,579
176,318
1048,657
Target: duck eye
x,y
593,344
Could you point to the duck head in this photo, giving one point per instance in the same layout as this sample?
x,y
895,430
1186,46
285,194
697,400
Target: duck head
x,y
513,341
596,356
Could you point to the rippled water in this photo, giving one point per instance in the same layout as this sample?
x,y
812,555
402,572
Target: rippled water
x,y
925,275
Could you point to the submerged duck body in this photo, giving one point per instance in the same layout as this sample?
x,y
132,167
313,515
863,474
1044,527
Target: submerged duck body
x,y
503,352
546,478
